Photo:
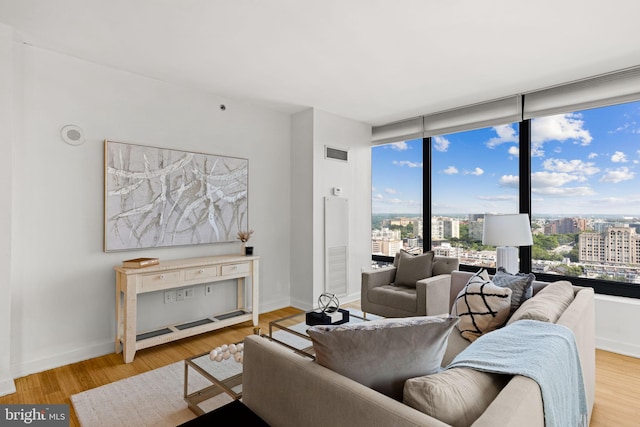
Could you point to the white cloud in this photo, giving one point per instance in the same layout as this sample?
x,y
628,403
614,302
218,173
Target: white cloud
x,y
399,146
552,179
506,133
509,181
618,175
378,196
570,166
441,143
619,157
451,170
407,163
514,151
561,127
390,191
564,191
476,172
499,198
592,156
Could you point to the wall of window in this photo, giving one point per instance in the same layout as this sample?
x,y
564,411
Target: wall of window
x,y
575,173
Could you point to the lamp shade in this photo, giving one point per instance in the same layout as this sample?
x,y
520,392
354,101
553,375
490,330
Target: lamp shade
x,y
507,230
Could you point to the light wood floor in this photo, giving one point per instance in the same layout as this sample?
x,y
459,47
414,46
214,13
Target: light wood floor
x,y
617,377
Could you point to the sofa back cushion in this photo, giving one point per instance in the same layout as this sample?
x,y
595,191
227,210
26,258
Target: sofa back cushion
x,y
548,304
444,265
383,354
455,396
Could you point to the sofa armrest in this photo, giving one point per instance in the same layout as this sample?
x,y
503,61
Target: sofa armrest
x,y
580,318
433,294
379,277
289,390
519,404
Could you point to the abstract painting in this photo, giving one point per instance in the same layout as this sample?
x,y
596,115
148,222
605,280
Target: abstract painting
x,y
156,197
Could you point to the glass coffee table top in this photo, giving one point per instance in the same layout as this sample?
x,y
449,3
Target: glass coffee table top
x,y
225,377
291,331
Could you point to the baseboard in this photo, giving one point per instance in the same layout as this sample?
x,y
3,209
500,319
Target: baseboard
x,y
7,387
62,359
618,347
267,306
301,305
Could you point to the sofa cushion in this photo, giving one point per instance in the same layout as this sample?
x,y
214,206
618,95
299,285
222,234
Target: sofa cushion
x,y
383,354
400,297
547,305
412,268
482,306
520,285
455,396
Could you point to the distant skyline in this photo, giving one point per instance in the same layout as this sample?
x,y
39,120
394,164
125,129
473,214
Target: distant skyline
x,y
582,163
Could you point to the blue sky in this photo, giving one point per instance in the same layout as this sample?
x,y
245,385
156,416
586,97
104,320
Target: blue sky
x,y
583,163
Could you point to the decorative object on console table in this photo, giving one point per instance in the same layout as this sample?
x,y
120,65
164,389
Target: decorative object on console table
x,y
505,231
328,312
140,262
244,237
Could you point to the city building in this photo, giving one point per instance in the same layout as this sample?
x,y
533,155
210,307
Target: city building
x,y
616,245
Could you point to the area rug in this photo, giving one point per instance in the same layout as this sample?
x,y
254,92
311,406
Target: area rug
x,y
154,398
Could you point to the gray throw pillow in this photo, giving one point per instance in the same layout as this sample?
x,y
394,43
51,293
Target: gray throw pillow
x,y
521,286
412,268
383,354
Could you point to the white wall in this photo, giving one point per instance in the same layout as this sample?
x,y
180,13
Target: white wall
x,y
302,199
313,178
63,304
617,321
6,168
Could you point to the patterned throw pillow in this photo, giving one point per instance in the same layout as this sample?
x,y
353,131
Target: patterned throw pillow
x,y
383,354
521,286
482,307
412,268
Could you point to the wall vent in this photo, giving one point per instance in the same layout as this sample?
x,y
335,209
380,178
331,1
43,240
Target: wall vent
x,y
336,153
336,241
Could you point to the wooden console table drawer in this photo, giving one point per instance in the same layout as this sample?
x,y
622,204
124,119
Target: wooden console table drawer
x,y
158,281
130,282
233,269
200,273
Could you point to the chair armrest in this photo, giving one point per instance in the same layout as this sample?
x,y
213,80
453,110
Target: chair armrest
x,y
433,294
380,277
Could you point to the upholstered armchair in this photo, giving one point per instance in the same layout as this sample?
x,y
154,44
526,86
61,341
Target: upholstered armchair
x,y
401,290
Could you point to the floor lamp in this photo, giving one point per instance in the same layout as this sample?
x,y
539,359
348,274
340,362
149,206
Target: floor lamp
x,y
506,232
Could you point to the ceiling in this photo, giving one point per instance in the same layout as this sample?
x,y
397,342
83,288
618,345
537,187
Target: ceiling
x,y
376,61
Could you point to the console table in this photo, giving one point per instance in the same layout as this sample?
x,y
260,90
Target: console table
x,y
175,274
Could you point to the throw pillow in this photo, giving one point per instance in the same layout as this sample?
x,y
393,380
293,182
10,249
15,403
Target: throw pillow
x,y
548,304
482,307
383,354
456,396
520,285
412,268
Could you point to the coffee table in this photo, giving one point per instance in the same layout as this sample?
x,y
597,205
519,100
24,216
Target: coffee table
x,y
225,377
291,331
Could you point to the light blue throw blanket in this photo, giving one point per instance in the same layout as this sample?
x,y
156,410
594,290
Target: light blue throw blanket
x,y
544,352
